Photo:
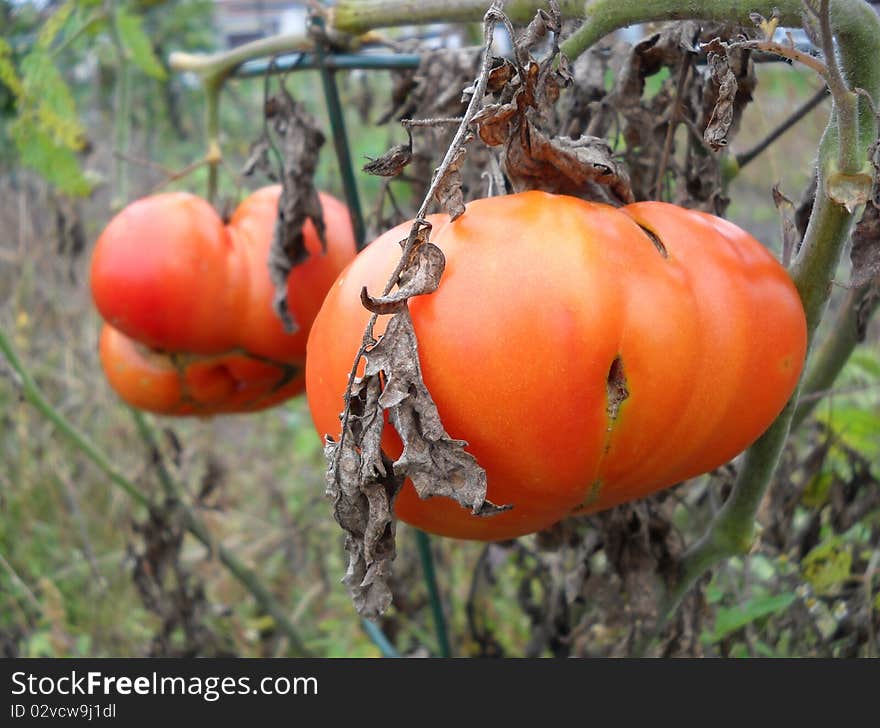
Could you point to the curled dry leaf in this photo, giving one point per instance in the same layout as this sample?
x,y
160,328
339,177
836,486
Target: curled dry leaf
x,y
362,486
437,464
361,480
393,162
421,275
449,194
532,160
258,159
791,238
298,141
722,115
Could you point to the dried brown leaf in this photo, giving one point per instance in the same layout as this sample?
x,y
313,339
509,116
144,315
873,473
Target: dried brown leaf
x,y
722,115
500,75
437,464
362,487
791,238
449,193
392,163
298,140
581,167
493,122
422,276
258,160
865,254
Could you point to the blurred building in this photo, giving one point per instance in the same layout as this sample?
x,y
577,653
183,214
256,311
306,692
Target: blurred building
x,y
241,21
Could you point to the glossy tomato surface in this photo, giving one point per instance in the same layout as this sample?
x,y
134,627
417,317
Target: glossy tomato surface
x,y
586,361
188,302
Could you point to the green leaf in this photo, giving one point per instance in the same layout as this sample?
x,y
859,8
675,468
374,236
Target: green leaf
x,y
816,492
730,619
54,24
828,565
866,361
8,74
137,44
856,427
40,152
48,101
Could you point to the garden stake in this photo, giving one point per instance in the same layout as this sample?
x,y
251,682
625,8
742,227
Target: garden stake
x,y
340,141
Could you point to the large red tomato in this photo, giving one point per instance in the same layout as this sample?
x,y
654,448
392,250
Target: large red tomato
x,y
585,361
188,302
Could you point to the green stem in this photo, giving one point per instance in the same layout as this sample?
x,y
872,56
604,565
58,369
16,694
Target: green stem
x,y
33,395
194,525
214,69
427,558
379,639
218,66
732,530
214,154
93,21
831,356
604,16
359,16
121,116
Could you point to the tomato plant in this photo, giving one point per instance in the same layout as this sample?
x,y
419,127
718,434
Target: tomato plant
x,y
188,302
589,355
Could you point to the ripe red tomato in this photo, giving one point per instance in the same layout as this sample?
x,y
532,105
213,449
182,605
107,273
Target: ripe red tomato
x,y
548,305
188,302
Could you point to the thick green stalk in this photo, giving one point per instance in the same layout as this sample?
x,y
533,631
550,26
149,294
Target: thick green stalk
x,y
600,16
359,16
858,34
217,66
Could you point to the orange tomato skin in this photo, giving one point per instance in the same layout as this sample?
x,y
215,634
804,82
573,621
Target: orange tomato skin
x,y
184,385
540,296
168,276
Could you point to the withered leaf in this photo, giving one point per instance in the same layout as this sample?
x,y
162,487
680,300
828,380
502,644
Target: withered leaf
x,y
493,122
420,277
258,159
722,115
437,464
500,74
449,193
393,162
791,238
565,166
865,254
583,167
298,140
362,487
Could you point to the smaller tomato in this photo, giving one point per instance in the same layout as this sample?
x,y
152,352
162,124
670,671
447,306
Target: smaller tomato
x,y
181,384
188,302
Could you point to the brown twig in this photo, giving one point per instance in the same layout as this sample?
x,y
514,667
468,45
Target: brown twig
x,y
785,51
431,122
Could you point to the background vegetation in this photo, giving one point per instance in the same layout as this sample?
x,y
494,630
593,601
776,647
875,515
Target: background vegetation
x,y
91,117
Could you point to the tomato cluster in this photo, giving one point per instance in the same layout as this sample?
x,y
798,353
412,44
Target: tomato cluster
x,y
187,301
588,355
